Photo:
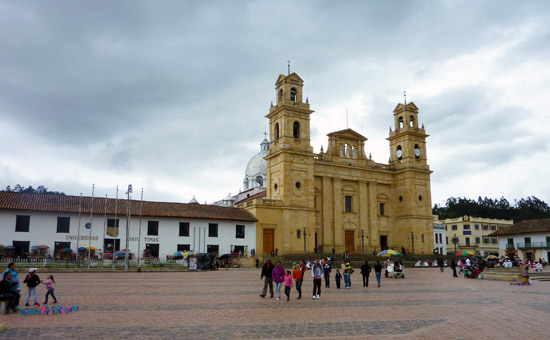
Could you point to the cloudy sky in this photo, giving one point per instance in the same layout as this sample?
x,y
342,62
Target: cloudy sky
x,y
172,96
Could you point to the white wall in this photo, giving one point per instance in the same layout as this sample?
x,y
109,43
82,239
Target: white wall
x,y
520,238
43,230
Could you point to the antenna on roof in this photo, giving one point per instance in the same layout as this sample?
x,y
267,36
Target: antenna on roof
x,y
405,96
288,61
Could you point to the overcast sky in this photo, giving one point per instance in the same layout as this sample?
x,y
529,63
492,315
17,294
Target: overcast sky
x,y
172,96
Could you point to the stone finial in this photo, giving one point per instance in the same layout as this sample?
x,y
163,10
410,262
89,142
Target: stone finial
x,y
307,100
422,125
272,103
370,156
390,128
321,149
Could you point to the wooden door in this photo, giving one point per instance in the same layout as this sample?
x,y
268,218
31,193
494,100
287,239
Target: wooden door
x,y
350,241
269,241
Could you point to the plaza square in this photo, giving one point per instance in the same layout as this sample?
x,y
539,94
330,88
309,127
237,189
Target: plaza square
x,y
224,304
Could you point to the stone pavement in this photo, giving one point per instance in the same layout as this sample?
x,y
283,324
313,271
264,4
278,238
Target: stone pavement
x,y
226,305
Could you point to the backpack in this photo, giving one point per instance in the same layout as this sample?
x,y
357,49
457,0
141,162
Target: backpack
x,y
297,274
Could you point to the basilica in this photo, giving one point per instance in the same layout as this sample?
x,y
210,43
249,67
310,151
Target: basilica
x,y
338,199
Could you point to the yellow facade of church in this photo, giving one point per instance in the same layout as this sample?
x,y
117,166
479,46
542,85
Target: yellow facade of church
x,y
340,198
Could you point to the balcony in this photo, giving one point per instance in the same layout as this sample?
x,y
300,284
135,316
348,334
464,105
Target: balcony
x,y
533,245
510,247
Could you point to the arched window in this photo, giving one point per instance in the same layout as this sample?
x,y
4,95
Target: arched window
x,y
296,129
293,94
276,131
259,181
411,121
401,122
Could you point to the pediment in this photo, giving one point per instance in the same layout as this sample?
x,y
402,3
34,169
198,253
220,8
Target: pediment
x,y
293,77
409,107
347,134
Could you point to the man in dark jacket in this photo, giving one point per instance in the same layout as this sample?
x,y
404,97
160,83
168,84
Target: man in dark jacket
x,y
365,271
267,269
6,292
378,271
326,270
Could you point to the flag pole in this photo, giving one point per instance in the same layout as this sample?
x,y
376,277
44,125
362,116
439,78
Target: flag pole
x,y
115,233
91,220
126,253
78,233
139,234
104,230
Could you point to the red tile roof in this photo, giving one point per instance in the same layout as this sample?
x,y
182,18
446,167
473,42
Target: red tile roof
x,y
261,194
71,204
525,227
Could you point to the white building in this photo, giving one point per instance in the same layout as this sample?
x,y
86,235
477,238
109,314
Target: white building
x,y
530,240
28,220
440,239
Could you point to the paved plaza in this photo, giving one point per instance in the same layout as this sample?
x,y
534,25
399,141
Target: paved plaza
x,y
226,305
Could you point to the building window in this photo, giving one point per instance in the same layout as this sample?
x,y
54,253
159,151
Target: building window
x,y
422,238
112,227
22,223
293,92
63,224
184,228
153,228
446,239
184,247
440,238
454,227
500,227
382,212
467,241
476,226
212,230
478,240
466,227
493,240
298,233
348,203
485,240
493,227
239,231
296,130
276,131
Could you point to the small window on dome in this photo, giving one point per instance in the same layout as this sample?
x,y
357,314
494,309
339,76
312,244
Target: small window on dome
x,y
259,181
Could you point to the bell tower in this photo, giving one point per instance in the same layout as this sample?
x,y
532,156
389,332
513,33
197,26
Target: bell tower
x,y
290,155
407,140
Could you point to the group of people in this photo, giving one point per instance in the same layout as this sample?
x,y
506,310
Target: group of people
x,y
320,269
10,290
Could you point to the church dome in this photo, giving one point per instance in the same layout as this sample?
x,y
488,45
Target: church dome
x,y
256,169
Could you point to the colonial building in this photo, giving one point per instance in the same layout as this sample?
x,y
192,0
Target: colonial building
x,y
440,238
473,233
530,240
340,198
28,220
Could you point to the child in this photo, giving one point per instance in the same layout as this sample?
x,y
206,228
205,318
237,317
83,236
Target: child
x,y
347,278
49,286
32,280
288,284
338,277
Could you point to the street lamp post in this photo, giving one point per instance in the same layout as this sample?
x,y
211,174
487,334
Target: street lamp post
x,y
126,255
362,241
412,239
305,244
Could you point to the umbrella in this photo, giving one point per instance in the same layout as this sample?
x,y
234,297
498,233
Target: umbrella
x,y
227,256
491,257
178,254
34,247
91,248
120,253
42,246
465,253
388,253
81,249
62,250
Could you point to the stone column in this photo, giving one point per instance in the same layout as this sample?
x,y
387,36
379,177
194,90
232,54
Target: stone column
x,y
363,207
337,211
327,214
373,214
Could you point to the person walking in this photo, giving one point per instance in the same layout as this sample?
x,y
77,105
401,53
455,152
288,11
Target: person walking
x,y
378,271
338,277
297,276
278,275
453,267
288,285
267,271
32,280
317,272
440,263
326,271
365,271
49,286
15,289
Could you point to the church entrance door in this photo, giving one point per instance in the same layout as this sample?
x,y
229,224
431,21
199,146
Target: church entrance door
x,y
350,241
269,241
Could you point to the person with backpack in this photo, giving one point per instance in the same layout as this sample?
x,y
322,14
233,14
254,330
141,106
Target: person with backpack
x,y
298,278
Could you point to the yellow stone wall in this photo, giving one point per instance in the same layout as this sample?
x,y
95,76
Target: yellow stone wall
x,y
307,191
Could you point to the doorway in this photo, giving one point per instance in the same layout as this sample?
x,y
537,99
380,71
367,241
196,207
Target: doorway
x,y
153,248
350,241
108,245
269,241
22,247
383,242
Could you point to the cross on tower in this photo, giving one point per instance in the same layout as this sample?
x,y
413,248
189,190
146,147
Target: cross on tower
x,y
265,135
405,96
288,61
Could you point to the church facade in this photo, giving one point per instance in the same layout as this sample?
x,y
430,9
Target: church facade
x,y
339,198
